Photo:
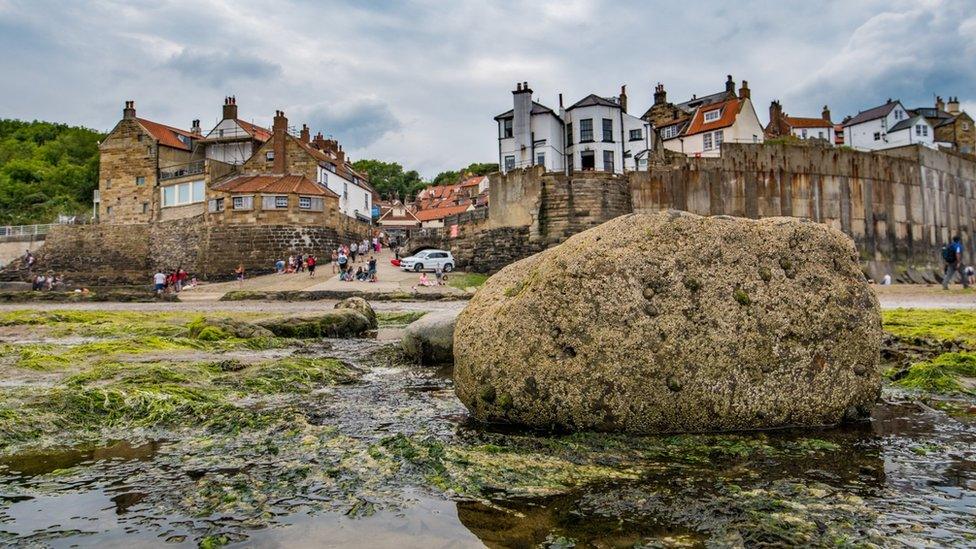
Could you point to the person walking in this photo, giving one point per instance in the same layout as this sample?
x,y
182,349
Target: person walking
x,y
952,255
335,260
343,262
372,269
353,248
311,266
159,282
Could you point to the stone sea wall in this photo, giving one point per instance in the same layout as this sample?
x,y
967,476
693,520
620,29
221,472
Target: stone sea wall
x,y
129,254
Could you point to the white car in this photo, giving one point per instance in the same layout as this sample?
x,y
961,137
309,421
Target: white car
x,y
428,260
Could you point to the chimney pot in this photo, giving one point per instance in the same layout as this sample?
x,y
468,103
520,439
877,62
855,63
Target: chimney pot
x,y
280,135
230,108
744,92
129,111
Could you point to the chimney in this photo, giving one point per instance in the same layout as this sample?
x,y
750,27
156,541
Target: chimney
x,y
319,141
825,114
775,112
744,90
729,86
305,134
939,105
660,96
230,108
953,106
521,124
623,98
195,128
129,111
280,134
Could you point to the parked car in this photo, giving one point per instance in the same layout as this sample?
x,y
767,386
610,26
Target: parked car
x,y
428,260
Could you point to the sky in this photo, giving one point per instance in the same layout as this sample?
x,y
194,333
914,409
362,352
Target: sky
x,y
419,81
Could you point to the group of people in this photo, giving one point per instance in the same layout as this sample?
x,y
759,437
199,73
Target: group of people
x,y
297,264
47,281
440,279
174,282
344,257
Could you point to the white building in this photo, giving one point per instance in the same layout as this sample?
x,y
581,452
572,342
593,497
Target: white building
x,y
232,140
889,125
595,133
729,121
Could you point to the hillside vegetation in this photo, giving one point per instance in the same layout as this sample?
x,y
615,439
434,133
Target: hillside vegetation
x,y
46,169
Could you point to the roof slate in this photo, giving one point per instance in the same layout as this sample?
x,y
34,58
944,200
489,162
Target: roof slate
x,y
594,100
872,114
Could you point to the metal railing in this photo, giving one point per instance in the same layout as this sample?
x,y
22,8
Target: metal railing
x,y
25,230
182,170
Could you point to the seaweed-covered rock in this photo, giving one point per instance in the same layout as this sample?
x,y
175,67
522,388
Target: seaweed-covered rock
x,y
674,322
361,305
430,339
335,323
213,329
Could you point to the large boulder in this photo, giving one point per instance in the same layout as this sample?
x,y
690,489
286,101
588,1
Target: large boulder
x,y
673,322
430,339
361,305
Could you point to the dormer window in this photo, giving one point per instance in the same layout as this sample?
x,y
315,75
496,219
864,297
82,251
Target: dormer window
x,y
269,156
713,115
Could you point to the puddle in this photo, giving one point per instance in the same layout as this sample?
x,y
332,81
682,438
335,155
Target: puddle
x,y
40,463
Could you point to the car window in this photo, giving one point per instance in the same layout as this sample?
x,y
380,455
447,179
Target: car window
x,y
421,254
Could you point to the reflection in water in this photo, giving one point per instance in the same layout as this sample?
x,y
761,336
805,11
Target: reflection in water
x,y
31,464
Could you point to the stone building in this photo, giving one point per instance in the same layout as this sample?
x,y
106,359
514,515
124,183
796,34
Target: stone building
x,y
953,128
782,125
135,157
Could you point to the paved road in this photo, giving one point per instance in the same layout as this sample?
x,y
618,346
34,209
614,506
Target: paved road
x,y
389,279
916,296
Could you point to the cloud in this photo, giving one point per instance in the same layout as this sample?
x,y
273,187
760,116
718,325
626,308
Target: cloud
x,y
419,81
218,68
356,123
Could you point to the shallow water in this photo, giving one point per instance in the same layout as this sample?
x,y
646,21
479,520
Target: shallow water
x,y
906,478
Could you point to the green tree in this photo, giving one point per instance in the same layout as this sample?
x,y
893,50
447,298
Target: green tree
x,y
46,170
389,179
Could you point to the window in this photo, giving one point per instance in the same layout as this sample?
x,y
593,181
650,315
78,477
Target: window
x,y
540,159
140,181
569,134
707,141
713,115
925,131
608,161
217,205
345,189
331,167
803,133
269,156
635,135
587,160
323,176
509,163
586,130
507,128
898,114
145,207
755,138
820,135
877,136
184,193
139,138
220,133
607,130
965,126
108,210
312,203
669,132
719,137
274,202
243,202
108,183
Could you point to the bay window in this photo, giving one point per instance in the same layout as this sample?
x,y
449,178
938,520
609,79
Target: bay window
x,y
182,194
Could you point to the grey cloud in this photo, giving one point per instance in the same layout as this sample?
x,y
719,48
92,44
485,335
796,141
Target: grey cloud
x,y
356,124
219,67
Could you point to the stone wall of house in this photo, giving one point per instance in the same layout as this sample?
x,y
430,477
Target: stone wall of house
x,y
127,153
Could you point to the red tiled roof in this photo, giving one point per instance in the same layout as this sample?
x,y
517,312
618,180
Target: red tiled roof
x,y
255,131
440,213
730,109
808,122
167,135
288,184
408,218
472,181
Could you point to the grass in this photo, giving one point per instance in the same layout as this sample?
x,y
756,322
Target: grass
x,y
941,325
463,281
939,375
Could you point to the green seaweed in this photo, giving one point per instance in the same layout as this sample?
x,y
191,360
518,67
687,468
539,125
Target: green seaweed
x,y
940,375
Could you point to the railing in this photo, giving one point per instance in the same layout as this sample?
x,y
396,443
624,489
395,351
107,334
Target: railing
x,y
182,170
25,230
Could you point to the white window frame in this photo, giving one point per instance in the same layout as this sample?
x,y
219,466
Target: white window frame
x,y
311,203
719,137
269,156
509,162
707,141
712,115
183,194
243,202
271,202
540,159
216,205
636,136
669,132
